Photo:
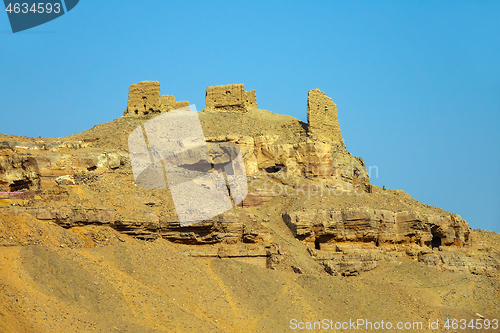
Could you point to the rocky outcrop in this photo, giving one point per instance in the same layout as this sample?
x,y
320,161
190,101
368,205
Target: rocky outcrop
x,y
228,228
230,98
350,241
377,226
266,155
144,98
350,262
350,259
37,172
18,172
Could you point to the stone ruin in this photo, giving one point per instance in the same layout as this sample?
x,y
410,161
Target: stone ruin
x,y
230,98
321,111
144,98
322,117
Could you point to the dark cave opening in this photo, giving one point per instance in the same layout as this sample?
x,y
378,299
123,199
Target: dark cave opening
x,y
19,185
274,168
436,241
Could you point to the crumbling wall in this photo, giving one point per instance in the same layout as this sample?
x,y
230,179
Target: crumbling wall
x,y
168,103
145,98
251,99
230,98
322,117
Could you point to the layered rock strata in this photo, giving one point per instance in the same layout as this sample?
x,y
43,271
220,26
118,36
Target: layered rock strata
x,y
300,177
377,226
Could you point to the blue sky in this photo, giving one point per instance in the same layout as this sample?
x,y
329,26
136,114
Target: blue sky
x,y
417,83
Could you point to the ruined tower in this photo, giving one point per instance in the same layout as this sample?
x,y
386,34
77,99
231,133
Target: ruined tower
x,y
322,117
230,98
144,98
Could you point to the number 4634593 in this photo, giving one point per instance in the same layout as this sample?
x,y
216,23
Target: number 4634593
x,y
472,324
36,8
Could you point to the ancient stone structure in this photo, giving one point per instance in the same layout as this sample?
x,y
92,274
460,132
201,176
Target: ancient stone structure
x,y
145,98
251,102
322,117
230,98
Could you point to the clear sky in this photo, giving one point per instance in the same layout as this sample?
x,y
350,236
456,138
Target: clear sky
x,y
417,83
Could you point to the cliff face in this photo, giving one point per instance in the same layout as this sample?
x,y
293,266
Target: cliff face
x,y
299,175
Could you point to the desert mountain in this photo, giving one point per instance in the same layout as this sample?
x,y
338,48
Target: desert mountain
x,y
86,247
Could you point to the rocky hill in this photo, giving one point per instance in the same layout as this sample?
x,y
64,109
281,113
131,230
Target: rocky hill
x,y
84,247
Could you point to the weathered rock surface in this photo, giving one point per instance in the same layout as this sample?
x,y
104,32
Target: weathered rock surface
x,y
307,159
41,171
353,259
378,226
350,241
229,228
